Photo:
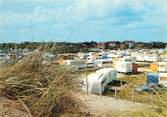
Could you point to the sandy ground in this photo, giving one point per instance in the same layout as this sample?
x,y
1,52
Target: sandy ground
x,y
103,105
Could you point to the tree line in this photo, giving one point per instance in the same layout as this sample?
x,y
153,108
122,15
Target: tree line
x,y
68,47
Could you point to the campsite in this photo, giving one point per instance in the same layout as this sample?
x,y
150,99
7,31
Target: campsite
x,y
83,58
104,74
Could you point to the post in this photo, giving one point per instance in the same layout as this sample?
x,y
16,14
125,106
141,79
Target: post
x,y
115,93
151,98
121,82
86,80
132,95
100,89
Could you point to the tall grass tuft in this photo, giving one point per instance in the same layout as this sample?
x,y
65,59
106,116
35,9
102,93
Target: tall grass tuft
x,y
45,90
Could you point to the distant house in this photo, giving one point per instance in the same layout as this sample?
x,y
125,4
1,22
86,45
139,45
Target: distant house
x,y
102,45
110,44
129,43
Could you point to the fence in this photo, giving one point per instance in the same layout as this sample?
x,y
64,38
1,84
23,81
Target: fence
x,y
132,95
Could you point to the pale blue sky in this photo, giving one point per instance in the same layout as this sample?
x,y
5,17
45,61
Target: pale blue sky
x,y
83,20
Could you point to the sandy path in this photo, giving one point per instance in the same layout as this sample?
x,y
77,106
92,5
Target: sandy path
x,y
97,105
102,105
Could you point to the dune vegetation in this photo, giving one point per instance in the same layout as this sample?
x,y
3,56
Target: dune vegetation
x,y
43,89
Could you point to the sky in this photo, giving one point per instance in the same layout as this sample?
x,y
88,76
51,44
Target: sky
x,y
83,20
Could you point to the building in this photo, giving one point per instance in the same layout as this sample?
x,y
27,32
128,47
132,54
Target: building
x,y
130,43
102,45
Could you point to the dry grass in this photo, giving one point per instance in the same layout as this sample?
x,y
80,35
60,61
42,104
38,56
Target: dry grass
x,y
158,105
157,109
44,90
132,82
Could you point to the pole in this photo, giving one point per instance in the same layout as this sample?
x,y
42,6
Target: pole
x,y
151,98
132,95
100,89
121,82
86,80
115,93
86,76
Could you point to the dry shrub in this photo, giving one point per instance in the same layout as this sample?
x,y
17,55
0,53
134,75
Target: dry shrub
x,y
46,90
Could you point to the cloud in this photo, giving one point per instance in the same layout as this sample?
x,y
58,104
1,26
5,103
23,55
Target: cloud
x,y
36,1
69,15
85,9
